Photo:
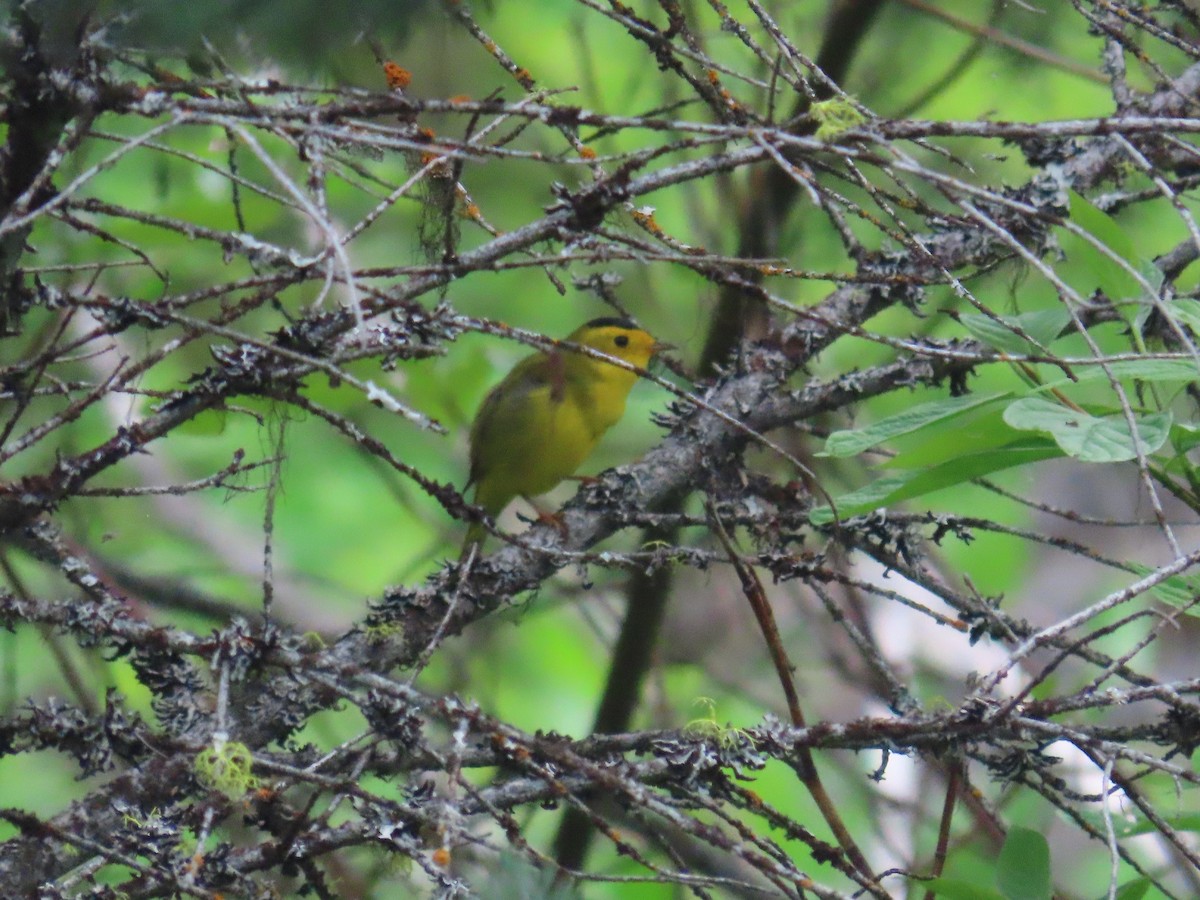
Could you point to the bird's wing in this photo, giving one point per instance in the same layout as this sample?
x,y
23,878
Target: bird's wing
x,y
502,407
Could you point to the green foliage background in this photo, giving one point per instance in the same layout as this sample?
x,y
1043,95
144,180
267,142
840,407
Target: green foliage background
x,y
345,528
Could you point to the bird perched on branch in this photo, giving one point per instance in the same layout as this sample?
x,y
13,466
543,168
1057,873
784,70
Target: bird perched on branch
x,y
541,422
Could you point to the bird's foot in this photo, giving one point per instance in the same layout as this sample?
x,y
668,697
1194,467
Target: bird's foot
x,y
546,517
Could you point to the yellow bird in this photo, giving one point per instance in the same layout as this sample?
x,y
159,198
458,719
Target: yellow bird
x,y
542,421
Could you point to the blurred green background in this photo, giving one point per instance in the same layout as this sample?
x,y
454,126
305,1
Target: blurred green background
x,y
345,528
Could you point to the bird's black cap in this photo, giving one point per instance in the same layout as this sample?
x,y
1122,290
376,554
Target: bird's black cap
x,y
611,322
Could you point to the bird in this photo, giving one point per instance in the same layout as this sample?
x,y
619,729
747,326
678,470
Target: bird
x,y
538,425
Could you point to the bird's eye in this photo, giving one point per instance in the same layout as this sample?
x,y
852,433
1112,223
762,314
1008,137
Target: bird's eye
x,y
621,340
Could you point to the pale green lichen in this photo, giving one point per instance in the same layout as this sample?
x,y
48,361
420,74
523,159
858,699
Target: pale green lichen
x,y
835,116
226,769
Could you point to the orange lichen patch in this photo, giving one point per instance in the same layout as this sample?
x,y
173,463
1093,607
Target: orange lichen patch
x,y
398,77
523,76
441,857
731,104
427,133
440,167
587,153
460,98
646,220
713,76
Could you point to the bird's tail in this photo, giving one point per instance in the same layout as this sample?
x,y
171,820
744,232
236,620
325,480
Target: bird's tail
x,y
476,534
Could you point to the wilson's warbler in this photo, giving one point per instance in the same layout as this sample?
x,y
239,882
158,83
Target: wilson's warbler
x,y
542,421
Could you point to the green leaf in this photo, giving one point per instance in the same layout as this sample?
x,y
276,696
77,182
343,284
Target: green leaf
x,y
1185,311
1152,274
942,442
1124,828
873,496
1114,278
953,889
209,423
1140,369
1184,436
1090,438
1178,591
851,443
1134,890
1044,326
1101,226
892,489
1023,870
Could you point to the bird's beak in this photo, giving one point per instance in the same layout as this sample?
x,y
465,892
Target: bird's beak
x,y
660,347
